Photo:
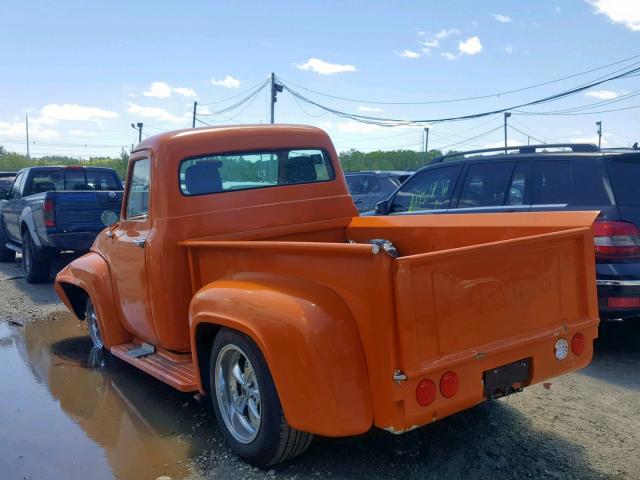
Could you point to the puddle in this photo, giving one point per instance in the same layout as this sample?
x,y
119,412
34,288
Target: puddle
x,y
68,412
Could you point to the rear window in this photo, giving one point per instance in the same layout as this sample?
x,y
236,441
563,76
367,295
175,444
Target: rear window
x,y
248,170
361,184
624,173
73,179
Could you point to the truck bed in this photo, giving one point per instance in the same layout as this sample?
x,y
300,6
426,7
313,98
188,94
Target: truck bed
x,y
472,292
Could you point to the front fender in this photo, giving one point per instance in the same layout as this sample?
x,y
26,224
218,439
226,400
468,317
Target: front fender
x,y
310,342
90,273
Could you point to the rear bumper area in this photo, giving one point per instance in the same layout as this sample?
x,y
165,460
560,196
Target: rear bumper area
x,y
612,294
76,241
470,367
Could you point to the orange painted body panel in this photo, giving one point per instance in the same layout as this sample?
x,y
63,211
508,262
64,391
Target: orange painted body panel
x,y
335,320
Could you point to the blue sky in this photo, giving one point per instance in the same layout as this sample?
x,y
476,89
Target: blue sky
x,y
83,71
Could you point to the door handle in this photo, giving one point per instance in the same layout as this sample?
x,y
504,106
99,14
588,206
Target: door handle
x,y
140,242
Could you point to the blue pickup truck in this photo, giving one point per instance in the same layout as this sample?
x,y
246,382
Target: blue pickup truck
x,y
49,210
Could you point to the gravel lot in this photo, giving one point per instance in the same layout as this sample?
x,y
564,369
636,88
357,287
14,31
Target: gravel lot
x,y
111,420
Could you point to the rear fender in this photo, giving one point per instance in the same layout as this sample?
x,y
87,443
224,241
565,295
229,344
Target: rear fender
x,y
26,218
308,338
90,273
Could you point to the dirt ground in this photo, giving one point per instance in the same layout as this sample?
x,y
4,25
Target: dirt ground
x,y
66,412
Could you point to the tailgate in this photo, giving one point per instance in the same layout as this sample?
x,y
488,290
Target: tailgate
x,y
495,295
81,211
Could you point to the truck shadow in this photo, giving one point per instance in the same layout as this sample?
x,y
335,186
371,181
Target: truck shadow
x,y
146,429
617,354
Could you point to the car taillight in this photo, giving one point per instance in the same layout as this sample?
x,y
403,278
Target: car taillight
x,y
426,392
616,239
578,343
623,302
449,384
49,214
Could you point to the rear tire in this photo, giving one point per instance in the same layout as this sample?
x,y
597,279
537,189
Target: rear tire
x,y
6,255
37,265
246,403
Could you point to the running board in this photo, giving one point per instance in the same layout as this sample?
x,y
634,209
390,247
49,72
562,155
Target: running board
x,y
172,369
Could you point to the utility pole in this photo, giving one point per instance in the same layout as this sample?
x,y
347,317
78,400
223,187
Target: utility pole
x,y
26,122
195,107
506,115
138,126
275,88
426,144
528,139
599,125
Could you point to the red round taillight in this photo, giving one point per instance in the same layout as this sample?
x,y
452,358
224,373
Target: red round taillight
x,y
449,384
578,343
426,392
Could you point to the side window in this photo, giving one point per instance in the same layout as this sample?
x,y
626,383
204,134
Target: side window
x,y
15,188
485,184
373,184
430,190
589,185
518,185
138,195
551,182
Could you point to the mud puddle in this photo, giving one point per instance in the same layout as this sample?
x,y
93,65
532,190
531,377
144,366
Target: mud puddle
x,y
69,412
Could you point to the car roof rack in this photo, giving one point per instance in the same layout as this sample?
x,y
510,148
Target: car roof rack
x,y
523,149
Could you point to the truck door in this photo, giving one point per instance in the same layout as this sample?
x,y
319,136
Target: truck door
x,y
12,208
127,254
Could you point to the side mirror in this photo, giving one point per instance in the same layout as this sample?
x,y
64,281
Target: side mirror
x,y
109,218
382,208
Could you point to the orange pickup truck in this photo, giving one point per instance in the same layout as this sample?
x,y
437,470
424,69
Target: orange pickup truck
x,y
240,269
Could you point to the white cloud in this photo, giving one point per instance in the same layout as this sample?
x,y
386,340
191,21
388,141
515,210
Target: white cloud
x,y
226,82
501,18
354,127
508,49
164,90
602,94
626,12
557,9
204,110
157,113
363,108
409,54
471,46
430,43
449,56
158,90
324,68
186,92
75,112
447,33
18,129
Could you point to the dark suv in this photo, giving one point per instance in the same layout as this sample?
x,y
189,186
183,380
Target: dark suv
x,y
545,178
368,188
6,179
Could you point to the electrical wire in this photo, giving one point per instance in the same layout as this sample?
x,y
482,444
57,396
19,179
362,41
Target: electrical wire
x,y
526,134
453,100
239,103
236,95
390,122
466,141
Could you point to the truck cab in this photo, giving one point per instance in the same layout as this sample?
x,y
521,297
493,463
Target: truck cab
x,y
239,269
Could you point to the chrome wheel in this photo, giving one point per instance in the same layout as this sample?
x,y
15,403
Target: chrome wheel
x,y
94,328
237,394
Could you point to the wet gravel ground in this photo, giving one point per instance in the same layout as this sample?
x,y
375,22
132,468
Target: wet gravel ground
x,y
128,425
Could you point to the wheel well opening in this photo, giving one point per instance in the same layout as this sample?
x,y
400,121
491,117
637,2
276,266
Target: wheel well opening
x,y
205,335
77,297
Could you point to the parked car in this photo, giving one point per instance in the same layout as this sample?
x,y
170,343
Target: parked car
x,y
537,178
368,188
299,317
52,209
6,179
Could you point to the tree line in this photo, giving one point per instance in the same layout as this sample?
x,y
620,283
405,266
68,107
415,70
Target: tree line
x,y
352,160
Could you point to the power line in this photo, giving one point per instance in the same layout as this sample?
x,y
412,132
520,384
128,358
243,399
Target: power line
x,y
478,97
466,141
236,95
239,103
390,122
526,134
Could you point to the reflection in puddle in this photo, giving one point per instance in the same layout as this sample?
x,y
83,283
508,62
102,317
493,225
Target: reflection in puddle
x,y
75,413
